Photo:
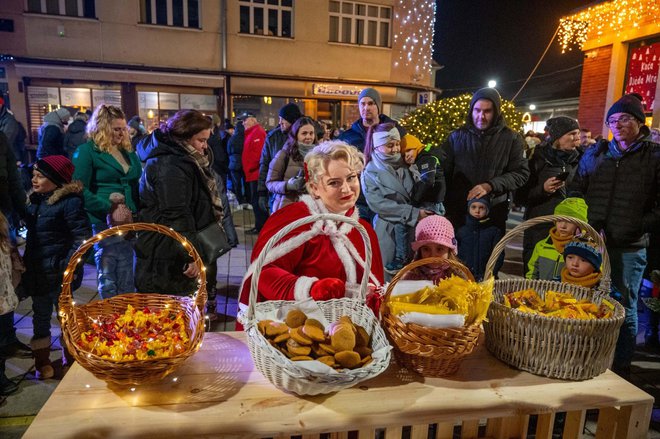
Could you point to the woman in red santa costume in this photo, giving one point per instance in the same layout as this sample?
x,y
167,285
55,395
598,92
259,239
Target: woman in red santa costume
x,y
318,260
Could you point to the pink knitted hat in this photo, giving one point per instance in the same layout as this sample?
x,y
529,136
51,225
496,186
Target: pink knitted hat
x,y
435,229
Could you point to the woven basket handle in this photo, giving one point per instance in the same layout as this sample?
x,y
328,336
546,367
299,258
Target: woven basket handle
x,y
605,283
419,263
66,297
294,225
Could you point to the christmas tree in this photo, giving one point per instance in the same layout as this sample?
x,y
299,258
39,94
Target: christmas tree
x,y
433,122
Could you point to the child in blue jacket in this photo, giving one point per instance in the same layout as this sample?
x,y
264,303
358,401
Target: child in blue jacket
x,y
477,238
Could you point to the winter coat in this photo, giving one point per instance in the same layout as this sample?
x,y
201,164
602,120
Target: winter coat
x,y
622,190
356,134
12,195
389,198
255,136
282,168
57,225
307,256
51,136
235,148
9,126
476,241
471,157
102,175
546,262
218,144
429,191
274,143
74,136
173,193
545,163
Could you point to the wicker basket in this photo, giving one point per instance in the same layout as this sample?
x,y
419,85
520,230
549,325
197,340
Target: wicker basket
x,y
554,347
432,352
76,319
290,376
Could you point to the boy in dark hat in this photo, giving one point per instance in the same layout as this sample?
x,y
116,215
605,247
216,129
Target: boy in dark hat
x,y
582,263
57,225
478,237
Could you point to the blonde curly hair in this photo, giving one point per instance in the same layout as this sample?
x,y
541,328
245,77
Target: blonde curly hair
x,y
99,128
318,159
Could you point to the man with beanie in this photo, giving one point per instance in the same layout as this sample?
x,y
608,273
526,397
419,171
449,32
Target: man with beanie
x,y
620,180
551,169
51,133
483,157
275,140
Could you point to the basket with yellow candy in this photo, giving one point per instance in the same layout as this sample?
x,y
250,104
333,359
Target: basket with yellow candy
x,y
560,305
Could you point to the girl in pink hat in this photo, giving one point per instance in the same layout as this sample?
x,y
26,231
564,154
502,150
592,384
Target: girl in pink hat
x,y
434,238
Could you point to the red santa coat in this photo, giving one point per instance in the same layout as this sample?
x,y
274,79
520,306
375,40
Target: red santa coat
x,y
255,137
308,259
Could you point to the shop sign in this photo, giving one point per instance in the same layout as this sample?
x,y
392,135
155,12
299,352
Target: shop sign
x,y
424,98
199,102
168,101
75,97
107,97
43,95
643,73
336,90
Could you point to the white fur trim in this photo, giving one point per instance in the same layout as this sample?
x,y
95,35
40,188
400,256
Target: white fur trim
x,y
303,286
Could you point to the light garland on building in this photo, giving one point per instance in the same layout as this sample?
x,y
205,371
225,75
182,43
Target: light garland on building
x,y
416,20
609,17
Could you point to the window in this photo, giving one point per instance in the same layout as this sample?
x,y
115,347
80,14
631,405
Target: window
x,y
71,8
360,23
267,17
179,13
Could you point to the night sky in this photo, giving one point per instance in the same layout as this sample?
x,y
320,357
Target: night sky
x,y
478,40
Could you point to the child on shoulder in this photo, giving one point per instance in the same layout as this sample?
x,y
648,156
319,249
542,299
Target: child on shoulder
x,y
478,237
547,260
434,238
57,225
583,261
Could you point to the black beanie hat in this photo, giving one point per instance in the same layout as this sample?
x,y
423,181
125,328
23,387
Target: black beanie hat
x,y
560,125
290,112
630,104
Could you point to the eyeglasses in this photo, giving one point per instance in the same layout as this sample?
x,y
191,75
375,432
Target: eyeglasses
x,y
623,120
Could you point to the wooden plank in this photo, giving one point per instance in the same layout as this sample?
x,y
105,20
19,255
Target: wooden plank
x,y
607,420
505,428
339,435
419,431
312,436
633,421
393,432
367,433
444,430
574,424
544,425
470,429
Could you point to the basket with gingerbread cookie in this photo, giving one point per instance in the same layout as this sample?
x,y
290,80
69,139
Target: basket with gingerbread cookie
x,y
312,348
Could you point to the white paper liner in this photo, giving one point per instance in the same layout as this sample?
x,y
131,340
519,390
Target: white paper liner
x,y
410,286
434,320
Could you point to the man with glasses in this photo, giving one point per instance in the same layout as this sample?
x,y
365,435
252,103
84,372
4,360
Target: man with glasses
x,y
621,183
483,158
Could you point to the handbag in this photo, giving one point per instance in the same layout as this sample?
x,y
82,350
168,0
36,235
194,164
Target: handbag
x,y
212,242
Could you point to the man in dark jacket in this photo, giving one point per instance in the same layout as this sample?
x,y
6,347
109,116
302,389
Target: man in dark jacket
x,y
75,133
275,139
9,125
235,152
370,105
621,183
483,157
51,133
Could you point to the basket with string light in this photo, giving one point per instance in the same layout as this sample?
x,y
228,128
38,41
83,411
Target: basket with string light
x,y
76,319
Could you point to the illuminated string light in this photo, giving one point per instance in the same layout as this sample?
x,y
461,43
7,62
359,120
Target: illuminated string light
x,y
416,20
610,17
433,122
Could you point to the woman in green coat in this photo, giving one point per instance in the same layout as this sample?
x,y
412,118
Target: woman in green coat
x,y
110,171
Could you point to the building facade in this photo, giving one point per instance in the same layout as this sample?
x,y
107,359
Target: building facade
x,y
621,45
153,57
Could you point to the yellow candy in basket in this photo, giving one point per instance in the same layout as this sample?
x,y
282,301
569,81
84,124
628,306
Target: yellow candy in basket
x,y
561,305
453,295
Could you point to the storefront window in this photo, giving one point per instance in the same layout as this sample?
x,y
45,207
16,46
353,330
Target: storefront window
x,y
266,108
156,107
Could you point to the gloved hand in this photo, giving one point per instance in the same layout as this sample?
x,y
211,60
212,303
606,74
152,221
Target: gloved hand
x,y
296,184
263,203
328,288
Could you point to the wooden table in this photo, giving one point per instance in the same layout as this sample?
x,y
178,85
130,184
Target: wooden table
x,y
218,392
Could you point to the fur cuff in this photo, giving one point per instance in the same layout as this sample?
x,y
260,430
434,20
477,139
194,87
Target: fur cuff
x,y
303,287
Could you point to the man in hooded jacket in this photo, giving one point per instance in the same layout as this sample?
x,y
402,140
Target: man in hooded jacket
x,y
51,133
482,158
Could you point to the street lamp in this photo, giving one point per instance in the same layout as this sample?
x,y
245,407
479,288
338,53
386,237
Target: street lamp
x,y
492,83
532,107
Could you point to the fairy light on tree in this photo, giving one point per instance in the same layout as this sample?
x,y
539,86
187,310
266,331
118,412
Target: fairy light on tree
x,y
610,17
433,122
413,32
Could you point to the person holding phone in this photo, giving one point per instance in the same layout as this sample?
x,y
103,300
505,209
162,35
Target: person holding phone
x,y
552,168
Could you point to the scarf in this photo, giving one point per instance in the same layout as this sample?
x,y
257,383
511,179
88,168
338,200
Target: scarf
x,y
203,161
558,241
304,149
588,281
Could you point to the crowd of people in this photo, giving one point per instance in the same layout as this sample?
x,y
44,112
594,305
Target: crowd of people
x,y
415,201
